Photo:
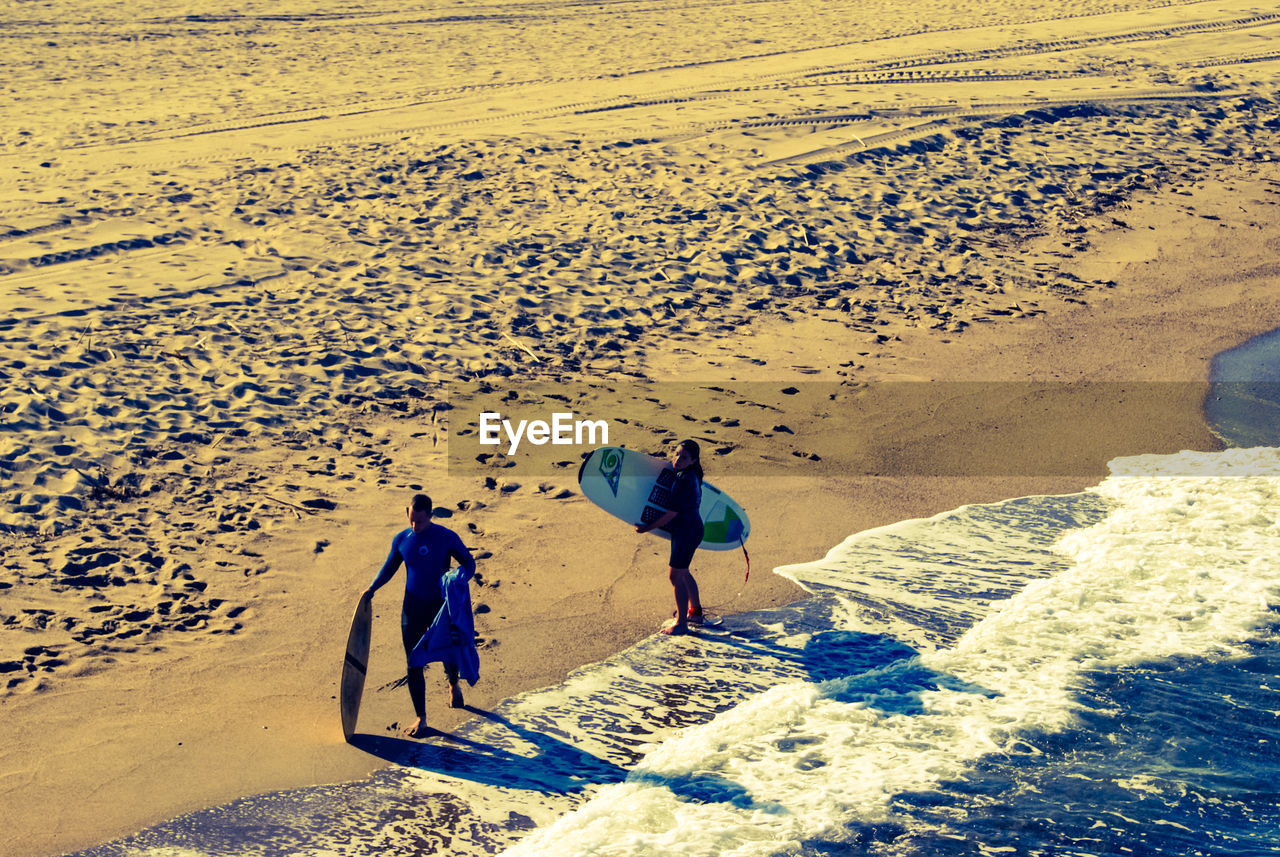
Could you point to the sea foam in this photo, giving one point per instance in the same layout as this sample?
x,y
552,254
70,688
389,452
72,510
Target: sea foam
x,y
1171,557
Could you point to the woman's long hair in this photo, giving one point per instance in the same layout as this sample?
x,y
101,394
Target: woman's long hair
x,y
696,452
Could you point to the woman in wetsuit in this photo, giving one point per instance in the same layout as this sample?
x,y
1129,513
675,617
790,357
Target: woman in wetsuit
x,y
684,523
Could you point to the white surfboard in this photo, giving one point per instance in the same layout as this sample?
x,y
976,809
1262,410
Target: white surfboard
x,y
636,488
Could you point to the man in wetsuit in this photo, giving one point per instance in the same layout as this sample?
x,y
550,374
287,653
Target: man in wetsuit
x,y
425,549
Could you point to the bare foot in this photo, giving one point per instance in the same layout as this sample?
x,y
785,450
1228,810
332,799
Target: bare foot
x,y
455,696
420,729
676,630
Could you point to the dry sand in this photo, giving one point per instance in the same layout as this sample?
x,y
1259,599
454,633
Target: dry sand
x,y
262,267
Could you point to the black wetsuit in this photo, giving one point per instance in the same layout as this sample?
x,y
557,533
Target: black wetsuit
x,y
686,527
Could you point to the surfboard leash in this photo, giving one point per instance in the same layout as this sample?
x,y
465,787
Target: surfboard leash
x,y
742,543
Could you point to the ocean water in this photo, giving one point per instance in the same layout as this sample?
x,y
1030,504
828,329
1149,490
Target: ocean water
x,y
1090,674
1104,682
1244,406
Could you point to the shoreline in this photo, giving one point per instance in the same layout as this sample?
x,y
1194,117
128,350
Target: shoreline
x,y
216,723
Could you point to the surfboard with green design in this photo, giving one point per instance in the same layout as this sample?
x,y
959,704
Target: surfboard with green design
x,y
635,487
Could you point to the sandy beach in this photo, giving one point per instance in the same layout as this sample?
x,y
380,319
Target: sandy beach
x,y
262,269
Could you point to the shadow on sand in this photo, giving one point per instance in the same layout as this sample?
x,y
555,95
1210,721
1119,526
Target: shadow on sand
x,y
554,767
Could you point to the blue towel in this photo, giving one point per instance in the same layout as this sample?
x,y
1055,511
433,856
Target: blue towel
x,y
441,643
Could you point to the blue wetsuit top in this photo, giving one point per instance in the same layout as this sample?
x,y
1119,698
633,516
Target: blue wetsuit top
x,y
426,558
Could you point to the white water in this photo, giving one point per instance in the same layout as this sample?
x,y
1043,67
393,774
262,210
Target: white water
x,y
1183,566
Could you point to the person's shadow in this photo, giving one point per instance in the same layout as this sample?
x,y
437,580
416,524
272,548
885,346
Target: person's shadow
x,y
555,767
875,670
